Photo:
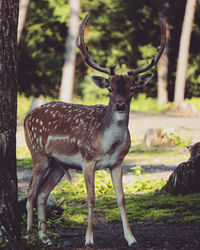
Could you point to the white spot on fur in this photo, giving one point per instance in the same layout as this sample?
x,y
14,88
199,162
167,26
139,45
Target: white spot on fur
x,y
56,138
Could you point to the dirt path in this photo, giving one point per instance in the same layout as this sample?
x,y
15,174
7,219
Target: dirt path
x,y
188,126
149,237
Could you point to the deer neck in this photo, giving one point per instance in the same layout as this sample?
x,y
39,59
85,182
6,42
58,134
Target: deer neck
x,y
113,118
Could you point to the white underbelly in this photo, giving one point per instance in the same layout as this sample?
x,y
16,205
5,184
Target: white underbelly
x,y
69,160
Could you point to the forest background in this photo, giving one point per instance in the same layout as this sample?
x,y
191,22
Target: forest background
x,y
123,32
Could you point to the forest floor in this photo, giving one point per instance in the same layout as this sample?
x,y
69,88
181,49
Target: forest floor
x,y
148,234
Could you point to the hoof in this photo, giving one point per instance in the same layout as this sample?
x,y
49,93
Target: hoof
x,y
133,245
91,246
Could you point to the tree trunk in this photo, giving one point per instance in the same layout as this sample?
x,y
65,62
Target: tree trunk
x,y
184,180
184,51
23,9
67,82
164,61
9,224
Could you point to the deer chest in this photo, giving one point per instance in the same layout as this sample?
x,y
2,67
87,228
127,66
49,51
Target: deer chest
x,y
115,145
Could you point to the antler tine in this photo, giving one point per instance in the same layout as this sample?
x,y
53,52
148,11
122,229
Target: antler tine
x,y
160,48
84,49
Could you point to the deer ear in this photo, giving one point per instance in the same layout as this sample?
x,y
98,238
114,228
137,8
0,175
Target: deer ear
x,y
143,79
101,82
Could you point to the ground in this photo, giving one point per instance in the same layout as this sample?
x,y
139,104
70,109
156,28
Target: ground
x,y
148,234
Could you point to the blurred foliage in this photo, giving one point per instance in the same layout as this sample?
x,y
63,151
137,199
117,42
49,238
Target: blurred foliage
x,y
121,32
41,51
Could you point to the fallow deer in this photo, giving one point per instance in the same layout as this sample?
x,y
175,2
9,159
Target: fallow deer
x,y
61,136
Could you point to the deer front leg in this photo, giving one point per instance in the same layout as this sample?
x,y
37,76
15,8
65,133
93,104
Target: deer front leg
x,y
116,174
88,172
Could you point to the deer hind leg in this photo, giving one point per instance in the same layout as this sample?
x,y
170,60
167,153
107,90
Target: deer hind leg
x,y
39,170
116,174
88,172
50,181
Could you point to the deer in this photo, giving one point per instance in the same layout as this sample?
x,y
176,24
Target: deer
x,y
63,136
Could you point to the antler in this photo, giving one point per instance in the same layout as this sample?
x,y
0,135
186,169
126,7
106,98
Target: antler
x,y
84,49
160,49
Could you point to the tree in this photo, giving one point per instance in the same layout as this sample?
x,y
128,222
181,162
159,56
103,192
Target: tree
x,y
23,9
67,82
185,178
164,61
9,224
41,50
184,50
122,32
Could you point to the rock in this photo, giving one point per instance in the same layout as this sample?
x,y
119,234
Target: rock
x,y
184,109
153,137
159,136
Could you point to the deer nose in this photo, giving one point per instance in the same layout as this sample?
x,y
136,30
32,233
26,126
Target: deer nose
x,y
120,106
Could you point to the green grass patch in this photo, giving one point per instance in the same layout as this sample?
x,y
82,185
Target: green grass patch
x,y
195,101
75,208
23,157
23,152
147,104
156,154
158,208
163,209
25,163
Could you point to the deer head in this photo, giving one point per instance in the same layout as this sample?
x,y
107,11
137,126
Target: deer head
x,y
123,84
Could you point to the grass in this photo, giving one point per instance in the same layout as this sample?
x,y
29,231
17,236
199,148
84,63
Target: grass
x,y
157,154
195,101
147,104
23,157
159,209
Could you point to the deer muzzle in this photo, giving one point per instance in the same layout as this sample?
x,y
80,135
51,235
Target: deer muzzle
x,y
120,106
